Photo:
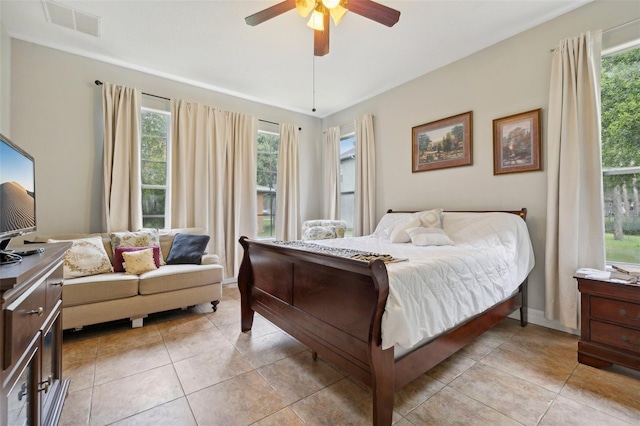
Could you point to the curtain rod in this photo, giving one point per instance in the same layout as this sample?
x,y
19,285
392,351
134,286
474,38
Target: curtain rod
x,y
99,83
608,30
621,25
341,126
274,123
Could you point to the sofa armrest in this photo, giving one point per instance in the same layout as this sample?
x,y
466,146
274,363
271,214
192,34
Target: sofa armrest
x,y
210,259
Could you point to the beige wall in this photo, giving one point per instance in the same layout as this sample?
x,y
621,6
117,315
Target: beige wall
x,y
507,78
56,117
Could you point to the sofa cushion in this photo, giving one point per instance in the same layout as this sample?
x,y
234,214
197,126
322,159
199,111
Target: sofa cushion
x,y
98,288
139,262
118,258
175,277
142,238
187,248
86,256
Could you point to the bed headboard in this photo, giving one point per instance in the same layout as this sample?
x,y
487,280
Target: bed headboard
x,y
522,212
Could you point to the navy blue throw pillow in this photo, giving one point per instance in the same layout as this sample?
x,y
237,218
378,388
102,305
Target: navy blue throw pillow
x,y
187,248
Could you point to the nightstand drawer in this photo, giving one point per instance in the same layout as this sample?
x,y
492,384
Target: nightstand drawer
x,y
613,335
615,311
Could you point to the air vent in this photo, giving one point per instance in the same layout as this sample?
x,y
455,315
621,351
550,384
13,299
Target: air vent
x,y
66,16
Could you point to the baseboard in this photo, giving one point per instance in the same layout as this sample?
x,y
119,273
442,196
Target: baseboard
x,y
537,317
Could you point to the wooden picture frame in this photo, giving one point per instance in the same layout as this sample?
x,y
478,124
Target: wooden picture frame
x,y
443,143
516,143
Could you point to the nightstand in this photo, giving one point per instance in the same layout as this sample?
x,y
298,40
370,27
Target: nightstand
x,y
610,323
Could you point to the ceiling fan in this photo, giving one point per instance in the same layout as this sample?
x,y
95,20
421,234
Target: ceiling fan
x,y
321,10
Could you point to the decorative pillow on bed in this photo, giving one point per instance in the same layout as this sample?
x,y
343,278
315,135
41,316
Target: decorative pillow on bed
x,y
430,218
424,219
142,238
429,237
399,232
86,256
118,259
139,262
386,224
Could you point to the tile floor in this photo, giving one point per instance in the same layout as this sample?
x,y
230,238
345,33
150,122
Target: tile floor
x,y
195,367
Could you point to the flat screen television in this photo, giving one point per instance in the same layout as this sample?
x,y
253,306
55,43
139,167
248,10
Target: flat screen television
x,y
17,195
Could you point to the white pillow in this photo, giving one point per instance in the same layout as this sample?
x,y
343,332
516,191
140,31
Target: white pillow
x,y
399,233
429,237
430,218
387,223
86,256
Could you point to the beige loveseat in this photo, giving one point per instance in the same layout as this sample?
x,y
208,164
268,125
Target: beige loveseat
x,y
116,295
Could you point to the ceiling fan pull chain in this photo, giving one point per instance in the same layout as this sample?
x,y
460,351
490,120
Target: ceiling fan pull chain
x,y
314,84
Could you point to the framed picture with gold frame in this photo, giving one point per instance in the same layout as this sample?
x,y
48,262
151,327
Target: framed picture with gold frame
x,y
443,143
516,143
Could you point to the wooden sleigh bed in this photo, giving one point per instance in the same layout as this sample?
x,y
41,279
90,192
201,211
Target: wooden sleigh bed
x,y
334,306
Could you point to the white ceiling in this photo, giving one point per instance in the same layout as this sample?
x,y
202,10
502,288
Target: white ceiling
x,y
207,43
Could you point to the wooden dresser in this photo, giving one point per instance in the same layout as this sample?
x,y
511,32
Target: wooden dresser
x,y
610,323
32,388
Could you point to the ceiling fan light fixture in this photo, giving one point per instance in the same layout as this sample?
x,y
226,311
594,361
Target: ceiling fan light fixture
x,y
337,14
304,7
316,21
331,4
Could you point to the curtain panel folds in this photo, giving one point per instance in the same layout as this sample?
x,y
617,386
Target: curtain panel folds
x,y
213,176
121,159
364,220
575,211
331,201
288,221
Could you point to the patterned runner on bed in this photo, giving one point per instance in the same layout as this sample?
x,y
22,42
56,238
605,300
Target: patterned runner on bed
x,y
365,256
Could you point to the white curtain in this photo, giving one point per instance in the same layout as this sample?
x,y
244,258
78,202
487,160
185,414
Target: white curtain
x,y
331,199
365,191
575,211
121,159
213,178
288,188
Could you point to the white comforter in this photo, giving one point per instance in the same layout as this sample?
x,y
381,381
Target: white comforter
x,y
440,286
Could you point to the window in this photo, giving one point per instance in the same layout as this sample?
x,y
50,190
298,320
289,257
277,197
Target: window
x,y
154,152
267,182
347,180
620,97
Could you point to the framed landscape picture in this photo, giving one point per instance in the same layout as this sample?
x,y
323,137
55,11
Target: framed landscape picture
x,y
516,143
443,143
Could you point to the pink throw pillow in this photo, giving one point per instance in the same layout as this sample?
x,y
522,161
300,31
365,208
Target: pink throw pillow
x,y
118,258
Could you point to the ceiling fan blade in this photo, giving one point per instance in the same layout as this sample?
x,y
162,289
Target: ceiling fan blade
x,y
321,38
374,11
270,12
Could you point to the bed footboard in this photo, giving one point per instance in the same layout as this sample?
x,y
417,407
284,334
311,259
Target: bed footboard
x,y
330,304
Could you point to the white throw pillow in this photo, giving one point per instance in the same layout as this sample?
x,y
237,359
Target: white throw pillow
x,y
399,233
387,223
86,256
139,262
430,218
429,237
